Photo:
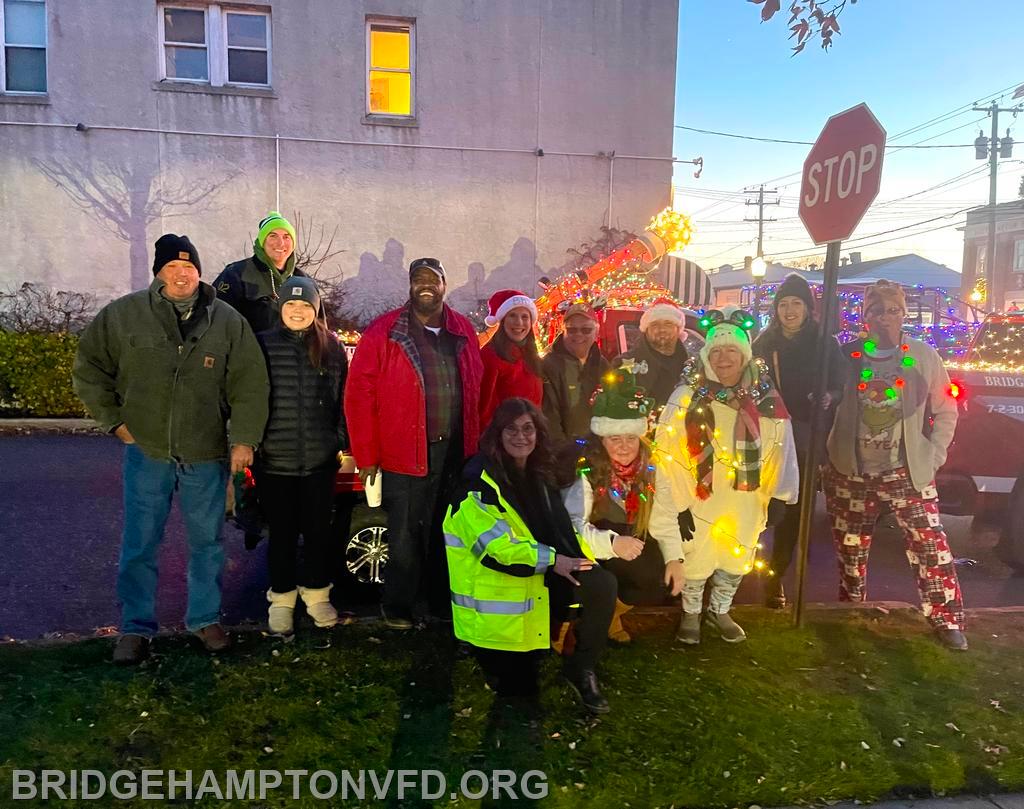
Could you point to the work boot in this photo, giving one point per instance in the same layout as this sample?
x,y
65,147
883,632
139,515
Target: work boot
x,y
395,621
280,617
774,594
131,650
722,624
585,684
689,629
213,638
318,606
616,631
952,639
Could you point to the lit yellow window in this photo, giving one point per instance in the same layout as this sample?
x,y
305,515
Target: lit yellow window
x,y
390,69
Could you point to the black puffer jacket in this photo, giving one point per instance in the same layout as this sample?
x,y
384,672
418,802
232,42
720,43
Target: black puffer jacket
x,y
306,428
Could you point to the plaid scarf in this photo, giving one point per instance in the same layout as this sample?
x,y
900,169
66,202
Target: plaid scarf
x,y
754,396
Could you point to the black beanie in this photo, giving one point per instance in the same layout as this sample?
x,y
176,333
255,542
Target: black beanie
x,y
170,247
300,288
796,286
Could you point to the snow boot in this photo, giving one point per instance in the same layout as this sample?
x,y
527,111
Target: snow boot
x,y
689,629
722,624
282,608
318,606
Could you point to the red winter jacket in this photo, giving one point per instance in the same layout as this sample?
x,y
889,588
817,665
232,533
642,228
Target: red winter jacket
x,y
505,380
384,403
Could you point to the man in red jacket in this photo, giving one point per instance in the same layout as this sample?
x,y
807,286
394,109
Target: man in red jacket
x,y
411,401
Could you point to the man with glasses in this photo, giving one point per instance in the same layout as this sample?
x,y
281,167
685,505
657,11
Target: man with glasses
x,y
572,371
411,401
891,431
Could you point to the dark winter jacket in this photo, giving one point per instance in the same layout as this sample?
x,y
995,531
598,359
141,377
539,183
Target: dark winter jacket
x,y
793,364
175,395
385,405
306,428
568,386
249,286
506,380
663,372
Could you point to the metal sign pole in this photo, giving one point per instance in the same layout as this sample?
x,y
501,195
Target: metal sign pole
x,y
809,484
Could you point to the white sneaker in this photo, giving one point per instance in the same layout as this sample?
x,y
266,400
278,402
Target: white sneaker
x,y
282,608
319,607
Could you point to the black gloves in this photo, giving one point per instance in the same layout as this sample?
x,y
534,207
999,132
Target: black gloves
x,y
685,519
776,511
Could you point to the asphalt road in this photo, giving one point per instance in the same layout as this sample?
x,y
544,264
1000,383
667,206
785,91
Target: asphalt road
x,y
60,522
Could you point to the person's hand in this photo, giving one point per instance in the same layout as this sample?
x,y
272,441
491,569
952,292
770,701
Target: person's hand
x,y
627,547
123,433
826,400
368,475
686,525
565,566
776,511
674,576
241,457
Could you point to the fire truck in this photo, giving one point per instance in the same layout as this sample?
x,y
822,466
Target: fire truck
x,y
984,473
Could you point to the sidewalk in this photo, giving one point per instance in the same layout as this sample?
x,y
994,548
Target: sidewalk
x,y
27,425
1011,800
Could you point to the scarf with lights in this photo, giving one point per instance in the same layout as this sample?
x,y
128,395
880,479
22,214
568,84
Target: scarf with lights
x,y
754,396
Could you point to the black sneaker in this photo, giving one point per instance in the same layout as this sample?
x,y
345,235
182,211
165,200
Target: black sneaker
x,y
585,684
396,621
952,639
775,595
131,650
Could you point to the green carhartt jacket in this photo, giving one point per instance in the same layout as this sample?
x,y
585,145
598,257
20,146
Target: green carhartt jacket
x,y
174,395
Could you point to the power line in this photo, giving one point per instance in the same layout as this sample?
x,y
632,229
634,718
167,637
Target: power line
x,y
811,142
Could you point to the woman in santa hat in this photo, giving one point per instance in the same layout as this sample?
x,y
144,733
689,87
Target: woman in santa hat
x,y
511,362
726,454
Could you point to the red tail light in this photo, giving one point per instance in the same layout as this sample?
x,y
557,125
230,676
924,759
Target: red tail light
x,y
957,391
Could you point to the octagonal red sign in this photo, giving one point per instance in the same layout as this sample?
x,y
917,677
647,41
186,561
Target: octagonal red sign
x,y
841,174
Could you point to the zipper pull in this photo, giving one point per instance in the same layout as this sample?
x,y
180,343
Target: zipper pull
x,y
180,348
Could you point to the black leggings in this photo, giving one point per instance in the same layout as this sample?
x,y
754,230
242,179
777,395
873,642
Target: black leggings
x,y
296,505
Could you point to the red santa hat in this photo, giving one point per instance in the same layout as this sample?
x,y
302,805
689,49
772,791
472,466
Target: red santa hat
x,y
504,301
662,309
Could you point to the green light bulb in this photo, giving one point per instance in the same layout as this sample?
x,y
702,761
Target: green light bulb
x,y
908,361
890,392
870,345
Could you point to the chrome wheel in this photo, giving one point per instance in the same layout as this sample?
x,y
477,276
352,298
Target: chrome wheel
x,y
367,553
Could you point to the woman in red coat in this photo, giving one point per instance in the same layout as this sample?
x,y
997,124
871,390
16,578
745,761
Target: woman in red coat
x,y
511,362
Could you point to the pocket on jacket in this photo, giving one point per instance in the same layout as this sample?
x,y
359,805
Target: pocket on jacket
x,y
495,626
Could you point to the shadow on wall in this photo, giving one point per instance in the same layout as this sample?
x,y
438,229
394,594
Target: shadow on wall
x,y
519,272
126,198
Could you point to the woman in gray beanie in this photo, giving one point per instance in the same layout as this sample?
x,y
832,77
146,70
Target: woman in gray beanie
x,y
298,457
790,346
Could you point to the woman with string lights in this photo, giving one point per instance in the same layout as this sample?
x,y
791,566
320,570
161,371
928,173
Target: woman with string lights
x,y
726,454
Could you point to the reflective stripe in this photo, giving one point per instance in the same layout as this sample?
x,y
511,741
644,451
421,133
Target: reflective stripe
x,y
544,563
453,541
492,607
499,529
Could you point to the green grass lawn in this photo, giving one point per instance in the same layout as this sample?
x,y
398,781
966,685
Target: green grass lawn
x,y
857,705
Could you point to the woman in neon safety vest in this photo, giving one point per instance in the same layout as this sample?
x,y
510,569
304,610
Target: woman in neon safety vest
x,y
511,550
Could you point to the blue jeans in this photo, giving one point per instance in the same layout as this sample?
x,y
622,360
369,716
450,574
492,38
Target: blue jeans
x,y
149,486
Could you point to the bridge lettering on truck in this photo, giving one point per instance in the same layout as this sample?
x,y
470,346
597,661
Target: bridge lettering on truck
x,y
1004,381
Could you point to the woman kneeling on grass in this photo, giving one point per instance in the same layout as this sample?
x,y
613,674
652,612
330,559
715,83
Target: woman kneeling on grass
x,y
511,548
298,458
612,498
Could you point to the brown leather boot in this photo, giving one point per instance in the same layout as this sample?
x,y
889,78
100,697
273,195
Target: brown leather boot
x,y
213,638
131,650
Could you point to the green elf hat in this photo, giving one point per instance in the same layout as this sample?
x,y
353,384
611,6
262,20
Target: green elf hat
x,y
619,406
273,221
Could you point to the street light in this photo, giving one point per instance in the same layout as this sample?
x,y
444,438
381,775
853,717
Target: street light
x,y
758,269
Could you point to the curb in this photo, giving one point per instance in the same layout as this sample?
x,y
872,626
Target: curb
x,y
48,426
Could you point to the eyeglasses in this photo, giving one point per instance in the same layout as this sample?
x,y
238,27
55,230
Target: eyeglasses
x,y
584,330
526,431
894,311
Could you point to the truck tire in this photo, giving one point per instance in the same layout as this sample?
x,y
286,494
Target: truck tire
x,y
1011,544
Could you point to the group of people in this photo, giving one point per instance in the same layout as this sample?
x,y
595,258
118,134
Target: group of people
x,y
530,500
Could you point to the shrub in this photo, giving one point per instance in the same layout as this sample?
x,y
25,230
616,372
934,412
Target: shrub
x,y
35,375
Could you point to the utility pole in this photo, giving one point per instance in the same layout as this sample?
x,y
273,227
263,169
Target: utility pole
x,y
995,149
760,269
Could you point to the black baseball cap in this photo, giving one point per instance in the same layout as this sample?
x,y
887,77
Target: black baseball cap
x,y
432,264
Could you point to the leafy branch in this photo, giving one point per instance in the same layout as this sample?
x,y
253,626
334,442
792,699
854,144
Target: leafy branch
x,y
808,19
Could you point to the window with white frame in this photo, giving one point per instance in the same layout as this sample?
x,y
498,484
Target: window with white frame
x,y
390,67
1018,255
23,58
214,45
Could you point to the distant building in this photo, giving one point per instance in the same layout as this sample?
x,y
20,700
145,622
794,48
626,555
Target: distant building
x,y
1008,291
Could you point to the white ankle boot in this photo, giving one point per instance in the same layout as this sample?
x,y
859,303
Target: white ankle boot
x,y
282,608
318,606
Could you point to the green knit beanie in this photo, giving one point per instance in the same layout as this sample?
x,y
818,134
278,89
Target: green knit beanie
x,y
273,221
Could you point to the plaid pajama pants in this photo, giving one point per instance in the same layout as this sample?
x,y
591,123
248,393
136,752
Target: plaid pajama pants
x,y
855,503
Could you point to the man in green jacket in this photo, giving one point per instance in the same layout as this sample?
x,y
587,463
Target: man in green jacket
x,y
165,369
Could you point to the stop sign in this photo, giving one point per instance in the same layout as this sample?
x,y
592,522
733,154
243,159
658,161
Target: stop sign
x,y
841,174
